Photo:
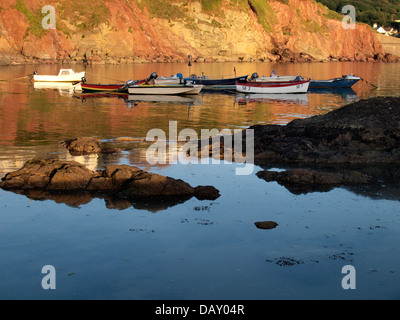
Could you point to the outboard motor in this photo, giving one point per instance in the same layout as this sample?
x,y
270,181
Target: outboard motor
x,y
126,85
254,76
153,76
32,75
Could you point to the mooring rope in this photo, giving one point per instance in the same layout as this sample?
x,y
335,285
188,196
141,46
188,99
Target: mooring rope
x,y
369,83
10,80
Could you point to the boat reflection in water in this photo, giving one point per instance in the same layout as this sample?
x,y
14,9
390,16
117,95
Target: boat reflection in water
x,y
192,100
348,94
133,100
298,99
64,88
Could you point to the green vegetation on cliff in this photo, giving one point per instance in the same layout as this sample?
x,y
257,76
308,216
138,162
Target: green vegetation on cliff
x,y
369,11
87,16
34,19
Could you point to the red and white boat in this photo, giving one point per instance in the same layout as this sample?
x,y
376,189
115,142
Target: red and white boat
x,y
269,86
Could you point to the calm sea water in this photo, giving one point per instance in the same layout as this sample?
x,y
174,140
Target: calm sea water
x,y
197,249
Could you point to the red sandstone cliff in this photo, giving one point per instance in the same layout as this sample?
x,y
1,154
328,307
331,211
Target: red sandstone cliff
x,y
142,30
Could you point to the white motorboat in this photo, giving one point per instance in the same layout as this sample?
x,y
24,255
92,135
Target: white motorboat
x,y
65,75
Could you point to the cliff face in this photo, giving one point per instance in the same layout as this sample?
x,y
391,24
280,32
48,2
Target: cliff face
x,y
157,30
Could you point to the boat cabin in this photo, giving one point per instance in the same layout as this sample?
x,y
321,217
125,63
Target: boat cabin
x,y
66,72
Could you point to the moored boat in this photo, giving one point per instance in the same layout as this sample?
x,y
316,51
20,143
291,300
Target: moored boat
x,y
299,85
91,87
64,75
346,81
152,86
108,88
123,87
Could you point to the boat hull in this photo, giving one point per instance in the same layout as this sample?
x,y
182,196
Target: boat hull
x,y
288,87
119,87
89,87
333,83
165,89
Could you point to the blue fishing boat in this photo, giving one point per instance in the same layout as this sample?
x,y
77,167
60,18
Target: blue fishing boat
x,y
346,81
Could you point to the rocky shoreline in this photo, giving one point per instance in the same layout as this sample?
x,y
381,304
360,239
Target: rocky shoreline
x,y
278,55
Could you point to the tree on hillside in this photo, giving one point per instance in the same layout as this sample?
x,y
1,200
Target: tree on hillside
x,y
369,11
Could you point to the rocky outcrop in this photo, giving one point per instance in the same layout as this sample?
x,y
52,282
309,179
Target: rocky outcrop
x,y
118,182
124,31
347,142
356,145
365,132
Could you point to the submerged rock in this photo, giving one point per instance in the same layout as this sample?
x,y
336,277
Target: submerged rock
x,y
266,225
87,145
54,179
